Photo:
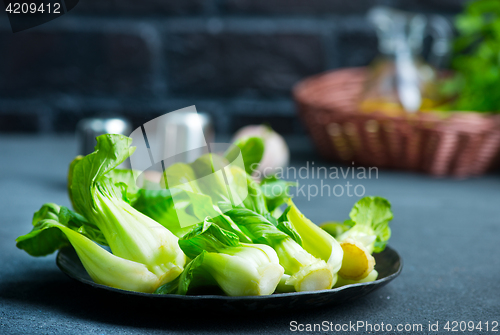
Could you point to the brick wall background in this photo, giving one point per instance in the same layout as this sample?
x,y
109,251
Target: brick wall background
x,y
235,59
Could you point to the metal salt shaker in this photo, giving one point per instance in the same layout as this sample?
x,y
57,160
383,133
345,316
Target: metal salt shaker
x,y
184,133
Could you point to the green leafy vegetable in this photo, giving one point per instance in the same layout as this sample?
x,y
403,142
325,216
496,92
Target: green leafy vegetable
x,y
209,237
129,233
370,219
180,176
476,59
218,257
211,211
336,228
315,240
129,186
252,151
160,206
210,178
276,192
306,272
76,160
288,228
51,232
44,240
366,232
255,200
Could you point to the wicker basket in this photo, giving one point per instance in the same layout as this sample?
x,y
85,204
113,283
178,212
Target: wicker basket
x,y
461,145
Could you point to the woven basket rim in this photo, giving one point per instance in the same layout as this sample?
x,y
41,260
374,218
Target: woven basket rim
x,y
460,119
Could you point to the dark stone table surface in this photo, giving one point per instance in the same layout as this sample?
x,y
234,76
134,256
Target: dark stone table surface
x,y
447,231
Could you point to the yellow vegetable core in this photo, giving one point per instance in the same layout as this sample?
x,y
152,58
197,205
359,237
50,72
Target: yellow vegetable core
x,y
357,263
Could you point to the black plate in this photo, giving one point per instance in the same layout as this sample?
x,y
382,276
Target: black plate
x,y
388,265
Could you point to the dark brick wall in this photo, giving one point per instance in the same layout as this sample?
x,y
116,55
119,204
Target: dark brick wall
x,y
250,64
235,59
75,62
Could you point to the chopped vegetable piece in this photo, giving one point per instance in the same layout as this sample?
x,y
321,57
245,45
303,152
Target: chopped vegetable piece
x,y
219,258
307,273
357,263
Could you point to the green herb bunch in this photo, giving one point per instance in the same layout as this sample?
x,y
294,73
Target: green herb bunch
x,y
476,60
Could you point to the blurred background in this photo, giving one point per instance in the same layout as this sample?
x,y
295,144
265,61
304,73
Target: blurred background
x,y
236,60
274,62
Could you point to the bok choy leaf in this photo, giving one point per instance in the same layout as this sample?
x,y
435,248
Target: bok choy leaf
x,y
219,258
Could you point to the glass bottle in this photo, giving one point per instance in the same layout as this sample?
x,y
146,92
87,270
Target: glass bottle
x,y
399,80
